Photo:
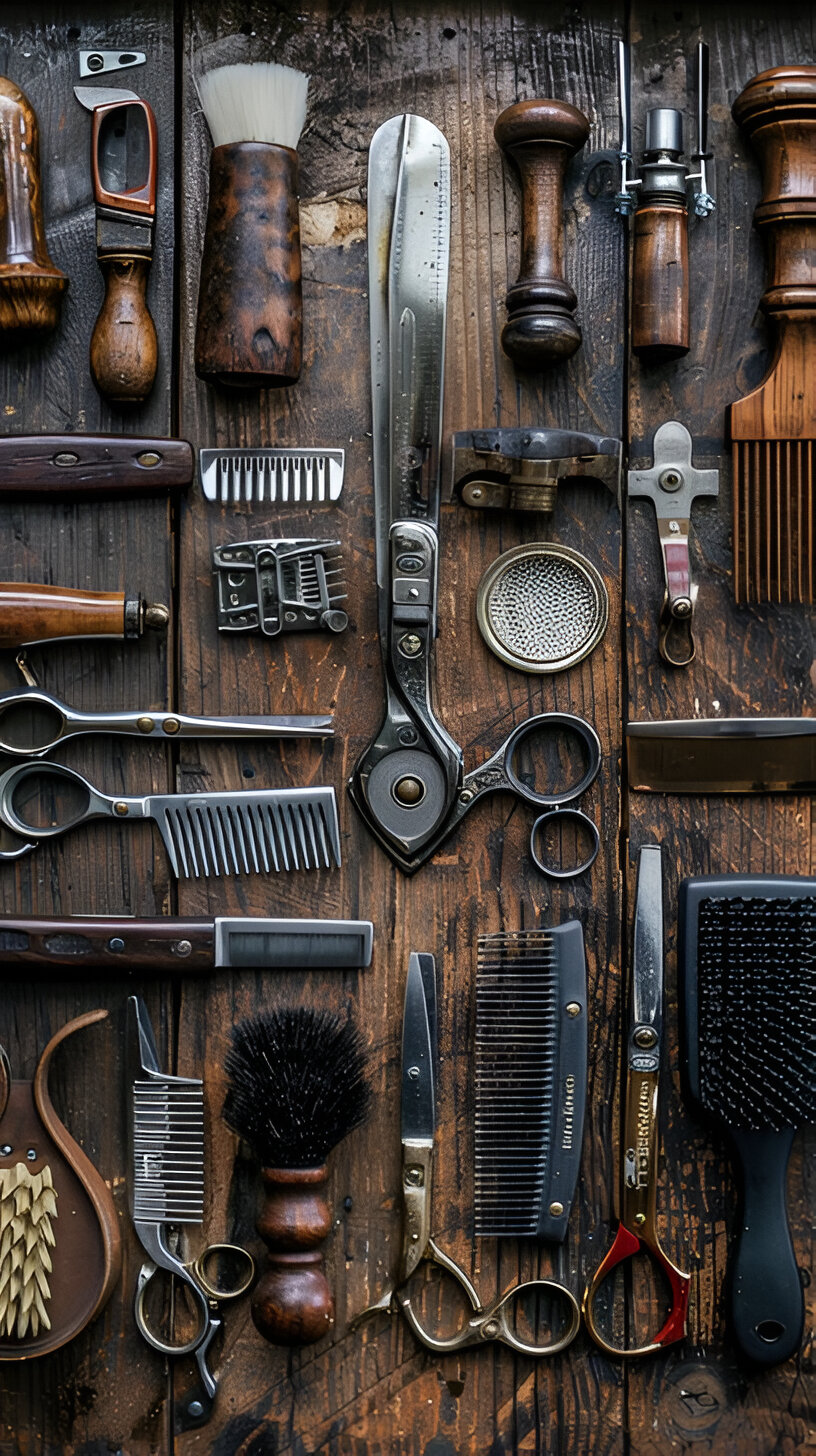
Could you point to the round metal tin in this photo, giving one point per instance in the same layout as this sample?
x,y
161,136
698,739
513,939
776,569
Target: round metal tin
x,y
542,607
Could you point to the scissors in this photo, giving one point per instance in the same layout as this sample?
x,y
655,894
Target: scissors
x,y
486,1324
166,1138
637,1231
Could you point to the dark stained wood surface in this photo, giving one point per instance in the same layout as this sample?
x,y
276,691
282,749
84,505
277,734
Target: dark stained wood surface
x,y
375,1392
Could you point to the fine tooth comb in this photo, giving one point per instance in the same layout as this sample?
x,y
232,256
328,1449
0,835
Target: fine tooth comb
x,y
241,832
773,429
280,586
531,1073
281,477
748,962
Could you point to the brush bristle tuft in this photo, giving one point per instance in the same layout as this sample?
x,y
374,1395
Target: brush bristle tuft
x,y
756,989
298,1085
260,102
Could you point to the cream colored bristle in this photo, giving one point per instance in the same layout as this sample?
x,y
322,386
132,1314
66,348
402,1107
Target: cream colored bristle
x,y
262,102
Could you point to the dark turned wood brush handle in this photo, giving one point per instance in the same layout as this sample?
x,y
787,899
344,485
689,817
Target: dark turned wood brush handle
x,y
124,347
118,945
249,327
38,613
540,137
31,287
660,284
292,1303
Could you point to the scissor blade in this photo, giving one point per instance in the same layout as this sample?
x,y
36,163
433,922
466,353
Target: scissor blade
x,y
647,962
418,1108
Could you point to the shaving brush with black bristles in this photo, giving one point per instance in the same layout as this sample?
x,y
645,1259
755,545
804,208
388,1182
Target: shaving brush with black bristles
x,y
297,1088
249,331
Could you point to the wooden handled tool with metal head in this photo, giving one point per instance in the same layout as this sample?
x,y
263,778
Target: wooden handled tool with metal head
x,y
34,612
540,137
773,429
124,149
660,266
31,287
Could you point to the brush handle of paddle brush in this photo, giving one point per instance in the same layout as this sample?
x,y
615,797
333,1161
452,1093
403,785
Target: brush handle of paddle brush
x,y
250,304
767,1307
292,1303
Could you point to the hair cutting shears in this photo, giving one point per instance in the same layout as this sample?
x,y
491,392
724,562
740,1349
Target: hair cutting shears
x,y
637,1231
499,1320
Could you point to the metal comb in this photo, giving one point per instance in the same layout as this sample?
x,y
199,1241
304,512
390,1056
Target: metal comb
x,y
282,477
279,586
542,608
531,1072
243,832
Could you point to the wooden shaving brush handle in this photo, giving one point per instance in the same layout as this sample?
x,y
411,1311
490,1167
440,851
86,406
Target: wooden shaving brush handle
x,y
31,287
540,137
124,347
292,1303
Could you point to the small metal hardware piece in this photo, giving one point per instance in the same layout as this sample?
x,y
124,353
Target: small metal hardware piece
x,y
281,477
672,484
663,171
542,608
520,469
279,586
93,63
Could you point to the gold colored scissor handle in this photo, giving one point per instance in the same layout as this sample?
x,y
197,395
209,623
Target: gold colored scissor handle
x,y
214,1290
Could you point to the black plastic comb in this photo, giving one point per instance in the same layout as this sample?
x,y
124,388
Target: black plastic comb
x,y
531,1076
748,961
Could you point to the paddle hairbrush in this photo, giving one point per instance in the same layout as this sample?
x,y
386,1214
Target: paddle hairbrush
x,y
748,959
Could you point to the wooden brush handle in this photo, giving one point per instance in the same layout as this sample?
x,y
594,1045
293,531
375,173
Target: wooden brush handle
x,y
292,1303
777,112
540,137
31,287
660,291
250,306
124,347
38,613
116,944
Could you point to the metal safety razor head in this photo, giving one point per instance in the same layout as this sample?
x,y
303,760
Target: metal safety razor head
x,y
520,469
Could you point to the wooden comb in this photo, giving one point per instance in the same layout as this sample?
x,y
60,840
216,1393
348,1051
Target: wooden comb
x,y
773,429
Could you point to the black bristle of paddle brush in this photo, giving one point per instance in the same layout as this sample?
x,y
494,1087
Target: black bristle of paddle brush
x,y
748,962
298,1085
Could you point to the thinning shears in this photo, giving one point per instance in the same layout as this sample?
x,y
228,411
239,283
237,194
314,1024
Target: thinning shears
x,y
487,1323
637,1230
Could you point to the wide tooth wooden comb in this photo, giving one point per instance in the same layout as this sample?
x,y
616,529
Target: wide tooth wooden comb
x,y
773,429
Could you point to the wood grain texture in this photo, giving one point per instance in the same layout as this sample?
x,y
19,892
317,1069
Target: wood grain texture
x,y
750,661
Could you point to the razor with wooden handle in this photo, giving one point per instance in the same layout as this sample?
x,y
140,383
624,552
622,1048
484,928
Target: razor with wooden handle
x,y
35,612
124,152
92,466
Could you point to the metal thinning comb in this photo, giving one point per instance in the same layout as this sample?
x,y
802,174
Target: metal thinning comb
x,y
282,477
168,1150
531,1061
542,608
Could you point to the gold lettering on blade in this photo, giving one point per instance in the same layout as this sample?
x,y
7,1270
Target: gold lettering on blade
x,y
644,1128
568,1114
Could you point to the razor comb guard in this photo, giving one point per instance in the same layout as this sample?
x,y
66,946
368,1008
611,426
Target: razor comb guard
x,y
531,1078
748,966
281,477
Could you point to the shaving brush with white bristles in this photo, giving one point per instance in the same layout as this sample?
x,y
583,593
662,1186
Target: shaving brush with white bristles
x,y
250,308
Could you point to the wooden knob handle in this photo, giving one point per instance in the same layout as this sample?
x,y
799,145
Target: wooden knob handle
x,y
292,1303
250,306
660,291
124,348
540,137
31,287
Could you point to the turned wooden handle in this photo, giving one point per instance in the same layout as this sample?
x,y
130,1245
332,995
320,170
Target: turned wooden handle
x,y
540,137
117,945
249,327
124,348
660,291
37,613
92,465
292,1303
31,287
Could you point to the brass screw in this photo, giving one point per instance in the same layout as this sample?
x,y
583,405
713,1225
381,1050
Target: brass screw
x,y
149,458
556,1209
145,725
409,791
640,1218
573,1008
171,725
410,645
120,808
645,1037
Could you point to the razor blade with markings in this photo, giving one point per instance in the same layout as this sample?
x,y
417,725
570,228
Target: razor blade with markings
x,y
279,477
280,586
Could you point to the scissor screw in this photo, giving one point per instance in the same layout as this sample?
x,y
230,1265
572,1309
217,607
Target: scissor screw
x,y
573,1008
145,725
410,645
171,725
645,1037
490,1330
640,1218
120,808
465,796
556,1209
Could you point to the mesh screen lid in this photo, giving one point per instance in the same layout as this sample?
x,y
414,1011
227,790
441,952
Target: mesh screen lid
x,y
542,607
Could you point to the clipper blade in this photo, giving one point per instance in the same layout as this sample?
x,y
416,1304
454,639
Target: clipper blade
x,y
281,477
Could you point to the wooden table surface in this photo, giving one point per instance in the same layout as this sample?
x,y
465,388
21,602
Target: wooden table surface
x,y
376,1391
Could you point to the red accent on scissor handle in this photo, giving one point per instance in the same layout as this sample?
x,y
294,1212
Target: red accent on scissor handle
x,y
626,1244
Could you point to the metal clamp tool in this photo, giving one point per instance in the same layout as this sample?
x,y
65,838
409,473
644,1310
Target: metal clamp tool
x,y
520,470
672,484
